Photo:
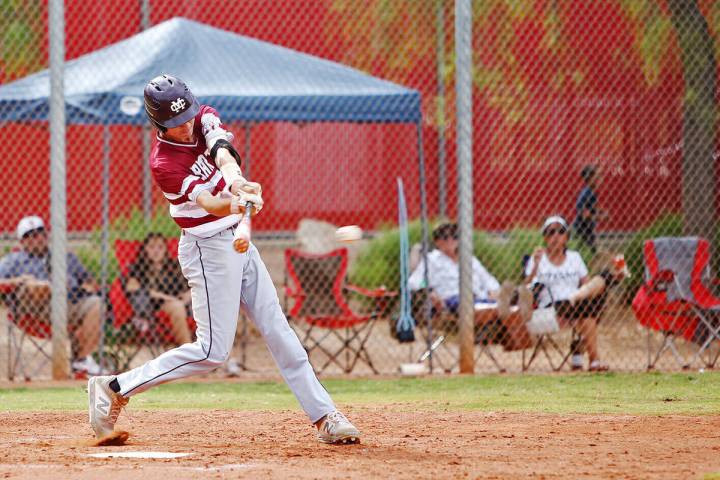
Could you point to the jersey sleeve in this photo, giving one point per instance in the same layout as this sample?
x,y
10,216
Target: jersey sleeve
x,y
178,186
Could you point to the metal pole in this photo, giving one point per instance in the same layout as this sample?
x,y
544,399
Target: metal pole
x,y
146,132
442,170
425,241
463,64
58,200
105,239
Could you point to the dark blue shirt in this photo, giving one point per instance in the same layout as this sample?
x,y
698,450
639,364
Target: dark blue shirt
x,y
586,201
20,263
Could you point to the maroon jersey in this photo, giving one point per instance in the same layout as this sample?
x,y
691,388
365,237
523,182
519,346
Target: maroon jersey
x,y
183,171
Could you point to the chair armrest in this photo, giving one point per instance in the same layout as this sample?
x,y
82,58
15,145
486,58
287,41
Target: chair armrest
x,y
6,287
376,293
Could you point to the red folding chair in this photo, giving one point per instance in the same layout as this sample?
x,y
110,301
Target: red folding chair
x,y
23,333
317,285
677,301
156,338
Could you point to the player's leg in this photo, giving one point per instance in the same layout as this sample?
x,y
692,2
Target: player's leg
x,y
211,267
260,301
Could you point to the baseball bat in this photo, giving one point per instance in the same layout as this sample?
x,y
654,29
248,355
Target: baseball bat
x,y
243,232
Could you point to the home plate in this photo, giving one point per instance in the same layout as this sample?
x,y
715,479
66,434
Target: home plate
x,y
138,455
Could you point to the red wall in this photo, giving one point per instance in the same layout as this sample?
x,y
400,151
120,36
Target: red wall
x,y
523,169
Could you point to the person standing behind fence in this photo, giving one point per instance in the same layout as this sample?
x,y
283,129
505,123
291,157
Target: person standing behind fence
x,y
586,207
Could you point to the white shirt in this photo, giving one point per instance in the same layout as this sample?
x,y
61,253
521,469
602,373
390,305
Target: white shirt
x,y
444,277
562,280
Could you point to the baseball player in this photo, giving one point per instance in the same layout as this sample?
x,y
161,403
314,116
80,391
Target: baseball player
x,y
198,170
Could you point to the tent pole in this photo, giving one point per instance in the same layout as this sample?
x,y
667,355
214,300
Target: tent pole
x,y
425,240
146,132
104,247
442,155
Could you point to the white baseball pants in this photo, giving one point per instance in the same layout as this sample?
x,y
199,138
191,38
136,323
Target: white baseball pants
x,y
220,281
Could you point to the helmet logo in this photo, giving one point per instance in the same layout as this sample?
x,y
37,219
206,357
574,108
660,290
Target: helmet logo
x,y
178,105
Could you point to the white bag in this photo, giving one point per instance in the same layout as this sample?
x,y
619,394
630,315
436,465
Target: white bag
x,y
543,321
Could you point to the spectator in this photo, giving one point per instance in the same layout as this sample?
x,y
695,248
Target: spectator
x,y
155,283
560,278
587,211
28,269
444,275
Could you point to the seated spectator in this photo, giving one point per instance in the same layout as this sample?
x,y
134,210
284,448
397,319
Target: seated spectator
x,y
559,277
155,283
444,275
28,269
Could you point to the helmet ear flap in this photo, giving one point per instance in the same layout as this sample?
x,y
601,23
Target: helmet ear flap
x,y
157,125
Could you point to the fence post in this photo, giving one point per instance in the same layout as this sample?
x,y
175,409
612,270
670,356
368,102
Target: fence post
x,y
463,63
58,207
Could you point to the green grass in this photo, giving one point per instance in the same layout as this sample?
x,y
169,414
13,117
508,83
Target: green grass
x,y
641,394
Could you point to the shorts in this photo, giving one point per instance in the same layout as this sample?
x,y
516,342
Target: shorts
x,y
25,305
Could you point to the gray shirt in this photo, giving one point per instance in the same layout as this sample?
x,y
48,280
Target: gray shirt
x,y
20,263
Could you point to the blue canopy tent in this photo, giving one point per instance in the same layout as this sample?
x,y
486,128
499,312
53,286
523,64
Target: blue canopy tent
x,y
246,79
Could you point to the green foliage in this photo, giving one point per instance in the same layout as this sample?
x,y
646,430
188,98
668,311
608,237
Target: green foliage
x,y
379,263
20,38
131,227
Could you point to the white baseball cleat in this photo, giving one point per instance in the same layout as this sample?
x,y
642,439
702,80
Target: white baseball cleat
x,y
338,429
104,405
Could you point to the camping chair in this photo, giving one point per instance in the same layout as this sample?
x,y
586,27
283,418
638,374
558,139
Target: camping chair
x,y
544,340
445,326
318,287
676,299
440,325
127,341
23,334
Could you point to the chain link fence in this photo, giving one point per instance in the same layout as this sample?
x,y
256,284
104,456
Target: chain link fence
x,y
603,113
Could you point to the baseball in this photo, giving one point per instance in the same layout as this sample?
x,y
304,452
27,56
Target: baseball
x,y
348,233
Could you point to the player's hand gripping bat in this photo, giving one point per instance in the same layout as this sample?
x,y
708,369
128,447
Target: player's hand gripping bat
x,y
243,232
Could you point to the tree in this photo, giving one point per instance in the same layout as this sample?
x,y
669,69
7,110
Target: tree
x,y
699,116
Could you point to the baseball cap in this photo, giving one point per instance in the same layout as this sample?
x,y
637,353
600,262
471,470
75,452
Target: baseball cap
x,y
28,224
554,219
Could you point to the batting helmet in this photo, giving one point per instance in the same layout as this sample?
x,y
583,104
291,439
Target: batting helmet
x,y
169,102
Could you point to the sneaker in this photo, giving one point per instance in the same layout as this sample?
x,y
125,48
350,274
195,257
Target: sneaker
x,y
576,362
504,297
104,405
338,429
232,368
88,366
598,366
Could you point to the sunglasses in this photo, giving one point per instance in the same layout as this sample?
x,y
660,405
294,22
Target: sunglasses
x,y
555,231
34,233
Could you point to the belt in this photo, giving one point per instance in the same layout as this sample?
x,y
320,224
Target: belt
x,y
231,228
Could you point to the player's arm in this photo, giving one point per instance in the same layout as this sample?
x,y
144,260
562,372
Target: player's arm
x,y
226,158
217,205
